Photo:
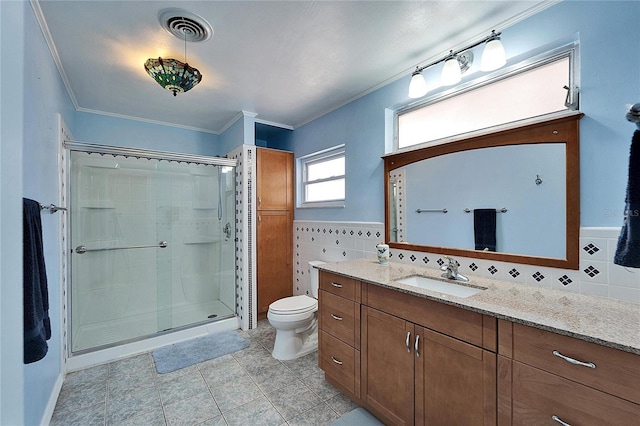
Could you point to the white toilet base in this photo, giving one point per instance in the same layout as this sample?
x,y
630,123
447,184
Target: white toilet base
x,y
292,344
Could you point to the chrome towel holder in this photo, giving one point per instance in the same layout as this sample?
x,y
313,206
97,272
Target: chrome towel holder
x,y
52,208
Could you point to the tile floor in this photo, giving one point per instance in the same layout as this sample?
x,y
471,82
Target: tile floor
x,y
248,387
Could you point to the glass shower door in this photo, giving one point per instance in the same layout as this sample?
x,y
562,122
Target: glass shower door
x,y
150,248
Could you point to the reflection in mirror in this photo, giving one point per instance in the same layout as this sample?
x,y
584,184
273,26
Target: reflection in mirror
x,y
533,220
522,181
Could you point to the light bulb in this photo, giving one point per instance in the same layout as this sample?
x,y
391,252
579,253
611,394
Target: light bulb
x,y
493,56
417,87
451,73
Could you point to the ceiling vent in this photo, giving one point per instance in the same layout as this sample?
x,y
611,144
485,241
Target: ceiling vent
x,y
185,25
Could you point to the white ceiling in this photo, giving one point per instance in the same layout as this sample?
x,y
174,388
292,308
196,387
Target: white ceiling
x,y
287,61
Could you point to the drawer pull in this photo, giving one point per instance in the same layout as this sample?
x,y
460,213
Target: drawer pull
x,y
557,419
336,361
407,342
335,317
416,346
574,361
336,285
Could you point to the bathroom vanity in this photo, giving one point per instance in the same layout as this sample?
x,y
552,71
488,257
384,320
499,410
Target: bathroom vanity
x,y
510,354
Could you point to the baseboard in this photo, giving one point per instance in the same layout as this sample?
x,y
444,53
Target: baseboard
x,y
53,399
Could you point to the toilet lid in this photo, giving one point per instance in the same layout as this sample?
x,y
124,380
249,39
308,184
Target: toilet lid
x,y
293,305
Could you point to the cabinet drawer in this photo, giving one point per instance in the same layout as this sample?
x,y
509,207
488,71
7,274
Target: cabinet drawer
x,y
342,286
455,322
338,360
616,372
538,396
339,316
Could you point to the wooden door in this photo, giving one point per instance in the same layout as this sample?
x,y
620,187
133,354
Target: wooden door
x,y
387,366
455,381
275,179
275,245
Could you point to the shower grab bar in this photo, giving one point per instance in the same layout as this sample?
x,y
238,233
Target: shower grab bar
x,y
83,249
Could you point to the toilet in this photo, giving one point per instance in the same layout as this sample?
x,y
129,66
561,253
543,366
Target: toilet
x,y
295,321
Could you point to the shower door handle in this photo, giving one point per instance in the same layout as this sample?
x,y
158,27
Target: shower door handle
x,y
82,249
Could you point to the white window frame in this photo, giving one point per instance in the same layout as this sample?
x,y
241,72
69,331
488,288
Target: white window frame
x,y
301,176
533,60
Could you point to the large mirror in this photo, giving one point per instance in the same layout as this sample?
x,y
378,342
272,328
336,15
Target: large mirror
x,y
512,196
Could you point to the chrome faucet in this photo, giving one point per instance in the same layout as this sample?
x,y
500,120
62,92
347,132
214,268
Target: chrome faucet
x,y
451,270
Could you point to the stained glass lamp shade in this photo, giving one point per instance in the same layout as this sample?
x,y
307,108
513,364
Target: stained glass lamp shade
x,y
172,74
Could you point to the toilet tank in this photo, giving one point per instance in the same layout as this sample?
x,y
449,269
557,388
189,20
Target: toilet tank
x,y
314,277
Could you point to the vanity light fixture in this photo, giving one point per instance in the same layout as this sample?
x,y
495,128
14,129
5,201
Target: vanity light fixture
x,y
456,63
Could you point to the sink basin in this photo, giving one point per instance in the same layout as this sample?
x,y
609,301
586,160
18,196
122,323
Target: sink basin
x,y
453,288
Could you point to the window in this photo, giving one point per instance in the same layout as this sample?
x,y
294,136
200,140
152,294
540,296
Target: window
x,y
533,88
321,178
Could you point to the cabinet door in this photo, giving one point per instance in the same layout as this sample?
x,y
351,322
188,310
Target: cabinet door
x,y
455,381
387,366
275,179
275,273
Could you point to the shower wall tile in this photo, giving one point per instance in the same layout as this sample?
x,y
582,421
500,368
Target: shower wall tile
x,y
597,274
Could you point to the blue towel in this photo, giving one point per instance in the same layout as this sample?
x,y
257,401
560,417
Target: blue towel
x,y
37,327
628,250
484,229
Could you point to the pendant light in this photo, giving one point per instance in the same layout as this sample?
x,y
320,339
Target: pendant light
x,y
172,74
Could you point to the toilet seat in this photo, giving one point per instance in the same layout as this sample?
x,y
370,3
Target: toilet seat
x,y
294,305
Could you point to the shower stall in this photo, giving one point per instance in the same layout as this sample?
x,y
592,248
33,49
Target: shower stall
x,y
152,238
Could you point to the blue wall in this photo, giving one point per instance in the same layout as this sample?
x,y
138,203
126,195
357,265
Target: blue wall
x,y
12,17
610,60
45,96
107,130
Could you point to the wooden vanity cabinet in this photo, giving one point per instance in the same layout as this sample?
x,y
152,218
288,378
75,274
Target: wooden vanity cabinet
x,y
545,377
413,373
410,360
339,331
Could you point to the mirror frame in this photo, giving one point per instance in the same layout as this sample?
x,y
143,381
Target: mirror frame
x,y
559,130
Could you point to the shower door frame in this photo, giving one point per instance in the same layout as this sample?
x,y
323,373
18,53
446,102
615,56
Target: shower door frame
x,y
71,145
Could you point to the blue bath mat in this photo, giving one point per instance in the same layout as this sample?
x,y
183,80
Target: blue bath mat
x,y
357,417
184,354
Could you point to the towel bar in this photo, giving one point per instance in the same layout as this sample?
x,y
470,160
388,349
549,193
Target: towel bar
x,y
431,211
52,208
502,210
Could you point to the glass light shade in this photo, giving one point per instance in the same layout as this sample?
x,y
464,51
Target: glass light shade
x,y
173,75
493,56
417,87
451,73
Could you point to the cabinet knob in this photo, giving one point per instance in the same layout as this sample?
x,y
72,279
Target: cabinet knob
x,y
335,317
336,285
574,361
407,342
416,345
336,361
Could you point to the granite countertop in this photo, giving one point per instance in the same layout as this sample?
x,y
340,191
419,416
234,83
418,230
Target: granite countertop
x,y
608,322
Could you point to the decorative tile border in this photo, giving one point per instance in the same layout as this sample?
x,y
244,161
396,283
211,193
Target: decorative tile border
x,y
245,231
598,275
331,242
